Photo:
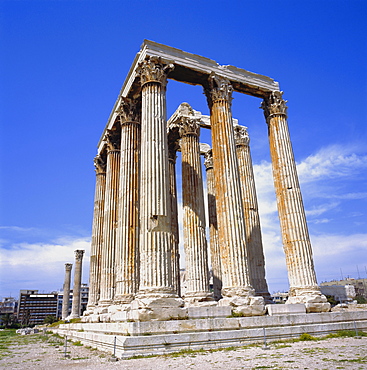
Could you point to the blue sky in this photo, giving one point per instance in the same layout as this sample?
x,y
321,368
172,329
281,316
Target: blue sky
x,y
64,62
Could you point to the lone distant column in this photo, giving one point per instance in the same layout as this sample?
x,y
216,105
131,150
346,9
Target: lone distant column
x,y
75,307
156,292
110,219
66,291
296,240
195,244
127,243
251,211
174,217
213,227
97,234
236,290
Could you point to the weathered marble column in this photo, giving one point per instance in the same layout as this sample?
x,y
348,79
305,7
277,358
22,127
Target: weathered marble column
x,y
251,212
172,148
157,298
66,291
213,227
97,234
236,289
75,307
110,220
127,243
296,240
195,244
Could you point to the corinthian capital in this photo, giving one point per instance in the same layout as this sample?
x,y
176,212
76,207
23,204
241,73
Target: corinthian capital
x,y
189,126
241,135
99,164
274,104
129,110
153,70
220,88
68,266
208,162
79,255
112,140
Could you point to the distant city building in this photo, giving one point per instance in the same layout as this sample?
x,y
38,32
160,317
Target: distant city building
x,y
84,292
8,305
279,297
360,285
34,307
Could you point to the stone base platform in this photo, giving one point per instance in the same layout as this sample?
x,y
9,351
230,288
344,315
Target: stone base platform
x,y
160,337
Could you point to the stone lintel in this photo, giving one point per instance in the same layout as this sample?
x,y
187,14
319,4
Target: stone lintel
x,y
192,69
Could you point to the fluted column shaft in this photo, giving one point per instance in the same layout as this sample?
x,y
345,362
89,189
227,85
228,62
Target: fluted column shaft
x,y
213,227
127,243
156,238
251,213
75,308
97,233
231,226
110,220
66,291
296,240
195,244
174,222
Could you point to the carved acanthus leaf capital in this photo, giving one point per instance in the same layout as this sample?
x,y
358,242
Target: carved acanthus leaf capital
x,y
189,126
112,140
129,110
241,135
68,266
220,88
274,105
99,164
79,255
208,162
153,70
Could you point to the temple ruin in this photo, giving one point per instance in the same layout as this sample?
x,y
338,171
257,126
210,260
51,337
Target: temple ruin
x,y
134,264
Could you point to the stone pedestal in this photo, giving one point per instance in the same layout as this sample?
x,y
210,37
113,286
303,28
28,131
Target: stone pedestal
x,y
156,297
127,240
66,291
107,286
296,240
236,289
251,212
195,244
75,308
97,235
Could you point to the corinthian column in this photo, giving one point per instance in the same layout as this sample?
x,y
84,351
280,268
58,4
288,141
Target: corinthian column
x,y
296,240
251,212
236,289
156,290
110,219
213,226
172,149
66,291
75,307
126,253
97,234
195,244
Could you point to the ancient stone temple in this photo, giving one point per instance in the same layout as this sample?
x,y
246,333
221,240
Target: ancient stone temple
x,y
135,258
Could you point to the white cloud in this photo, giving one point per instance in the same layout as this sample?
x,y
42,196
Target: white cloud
x,y
39,265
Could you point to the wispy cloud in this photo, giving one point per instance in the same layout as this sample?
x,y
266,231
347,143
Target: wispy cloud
x,y
39,265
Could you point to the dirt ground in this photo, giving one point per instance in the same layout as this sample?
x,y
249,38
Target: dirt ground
x,y
47,352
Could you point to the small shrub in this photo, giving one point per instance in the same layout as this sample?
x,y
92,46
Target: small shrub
x,y
77,343
305,337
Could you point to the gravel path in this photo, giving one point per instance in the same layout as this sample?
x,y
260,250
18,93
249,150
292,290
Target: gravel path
x,y
38,352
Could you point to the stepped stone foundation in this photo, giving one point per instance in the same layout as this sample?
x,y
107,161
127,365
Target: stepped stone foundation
x,y
135,259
